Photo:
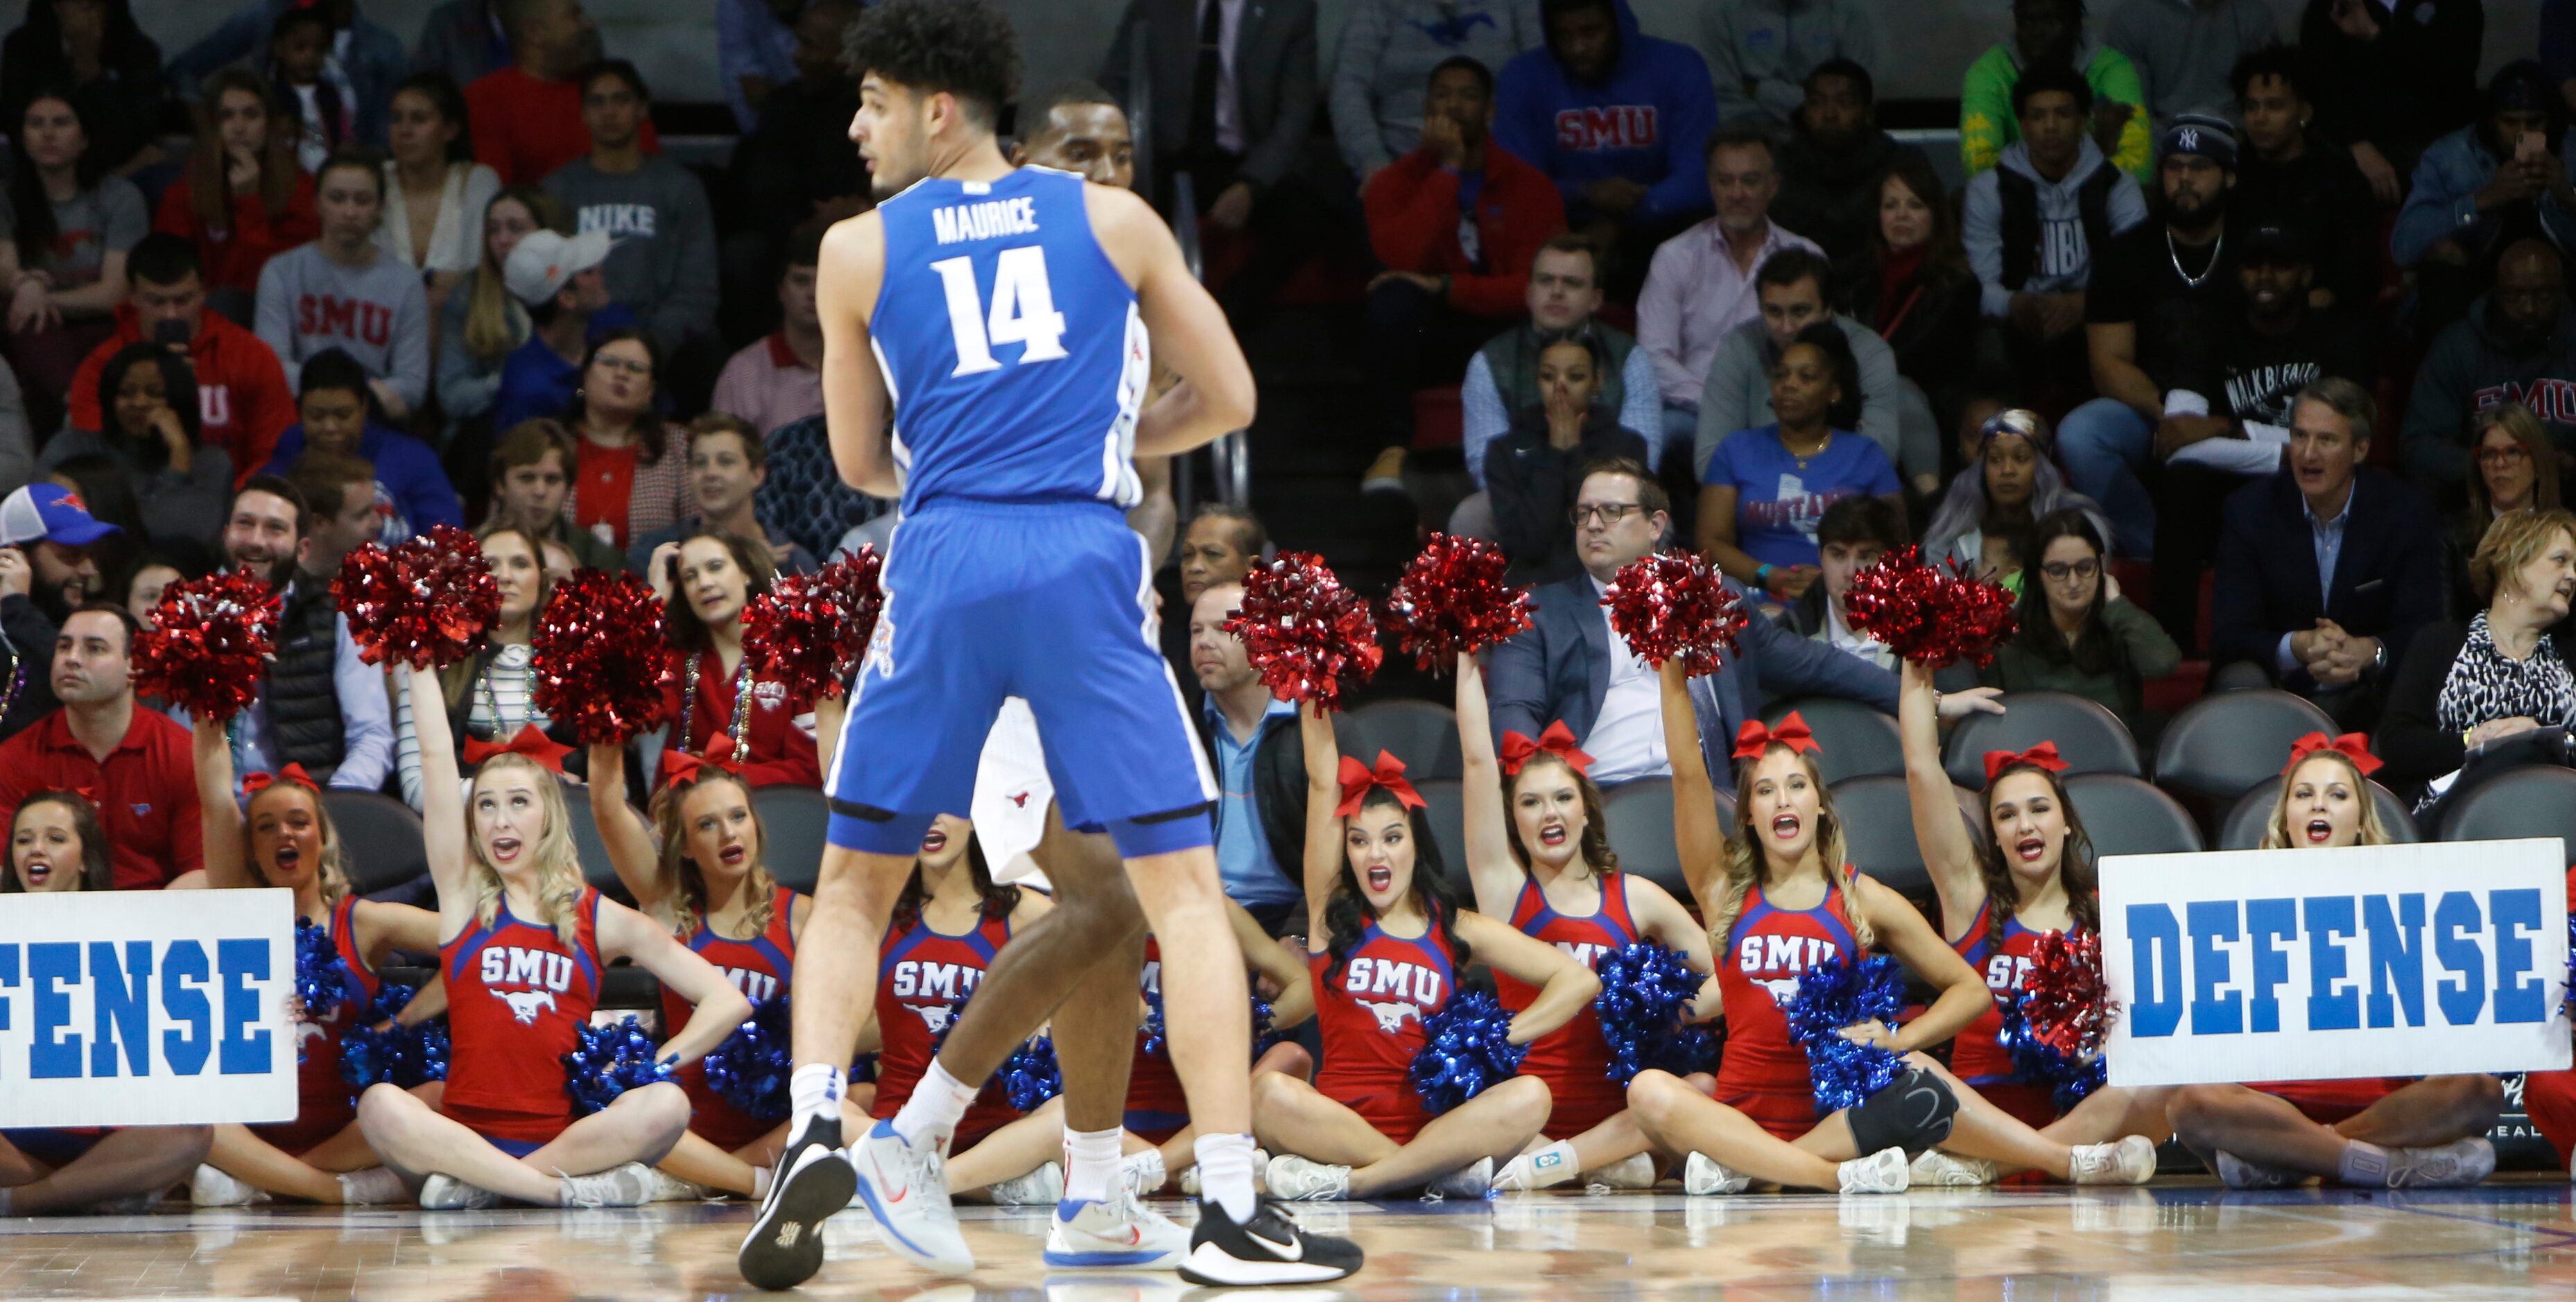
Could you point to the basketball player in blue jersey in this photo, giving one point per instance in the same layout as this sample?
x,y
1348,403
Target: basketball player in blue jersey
x,y
1006,320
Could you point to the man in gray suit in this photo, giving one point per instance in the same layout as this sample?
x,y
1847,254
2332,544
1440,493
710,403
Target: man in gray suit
x,y
1570,665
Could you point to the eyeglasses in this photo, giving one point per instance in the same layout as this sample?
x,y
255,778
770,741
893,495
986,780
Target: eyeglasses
x,y
2061,571
2503,456
1610,512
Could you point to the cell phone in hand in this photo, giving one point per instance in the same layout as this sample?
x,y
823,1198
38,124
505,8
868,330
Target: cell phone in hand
x,y
171,334
2531,148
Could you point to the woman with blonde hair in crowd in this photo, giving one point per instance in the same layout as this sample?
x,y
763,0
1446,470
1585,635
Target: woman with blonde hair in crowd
x,y
2499,675
491,699
480,324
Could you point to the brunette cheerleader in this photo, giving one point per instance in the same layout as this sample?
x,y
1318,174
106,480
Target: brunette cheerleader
x,y
706,581
55,845
1158,1113
1774,910
521,944
284,838
2374,1132
1539,854
1386,942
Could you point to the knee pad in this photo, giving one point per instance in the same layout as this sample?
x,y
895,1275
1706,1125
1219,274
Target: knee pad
x,y
1913,1113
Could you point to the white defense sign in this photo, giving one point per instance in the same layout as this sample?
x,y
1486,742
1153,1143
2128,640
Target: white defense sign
x,y
2396,960
132,1008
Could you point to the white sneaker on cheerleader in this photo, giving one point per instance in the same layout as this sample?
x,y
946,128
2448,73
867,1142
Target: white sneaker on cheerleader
x,y
2451,1166
1472,1182
1260,1174
1934,1168
1121,1232
630,1184
906,1188
1883,1172
1142,1173
446,1193
1527,1171
371,1187
1635,1171
2130,1161
1294,1179
2237,1173
669,1188
1043,1185
1703,1176
212,1188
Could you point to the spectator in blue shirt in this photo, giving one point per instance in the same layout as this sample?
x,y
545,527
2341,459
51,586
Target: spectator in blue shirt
x,y
558,278
412,492
1766,489
1260,765
756,49
2500,177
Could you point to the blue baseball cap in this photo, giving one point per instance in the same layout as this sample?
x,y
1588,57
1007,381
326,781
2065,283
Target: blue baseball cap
x,y
48,513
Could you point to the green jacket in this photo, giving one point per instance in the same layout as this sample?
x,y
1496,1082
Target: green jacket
x,y
2140,650
1986,122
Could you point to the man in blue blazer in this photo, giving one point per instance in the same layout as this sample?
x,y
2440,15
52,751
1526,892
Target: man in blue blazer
x,y
2326,569
1569,665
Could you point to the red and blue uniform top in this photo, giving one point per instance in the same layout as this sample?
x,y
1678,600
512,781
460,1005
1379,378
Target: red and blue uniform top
x,y
923,980
1369,1013
517,998
759,968
1763,1072
322,1107
1574,1059
1157,1107
1977,1056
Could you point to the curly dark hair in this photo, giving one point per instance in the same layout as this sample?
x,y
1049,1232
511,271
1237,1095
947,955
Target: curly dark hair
x,y
963,47
1347,915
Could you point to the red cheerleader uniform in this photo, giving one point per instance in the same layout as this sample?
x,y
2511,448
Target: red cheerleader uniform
x,y
1370,1015
1763,1073
1977,1056
517,998
923,978
1574,1059
322,1104
759,968
1157,1108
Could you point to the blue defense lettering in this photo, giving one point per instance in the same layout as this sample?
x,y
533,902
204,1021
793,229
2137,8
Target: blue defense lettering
x,y
120,1007
246,1044
2327,917
2396,957
2461,1001
2154,931
183,970
2212,1013
2267,921
8,977
2519,995
56,1054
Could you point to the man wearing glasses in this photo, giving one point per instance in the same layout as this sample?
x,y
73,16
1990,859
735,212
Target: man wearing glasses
x,y
1571,665
2517,345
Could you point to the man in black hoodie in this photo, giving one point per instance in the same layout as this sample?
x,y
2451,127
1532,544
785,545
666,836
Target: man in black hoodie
x,y
2518,344
2290,176
1827,172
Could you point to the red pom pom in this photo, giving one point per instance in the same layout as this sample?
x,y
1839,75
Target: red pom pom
x,y
1311,638
2065,1003
1929,615
1452,600
811,631
602,664
1676,606
209,647
426,603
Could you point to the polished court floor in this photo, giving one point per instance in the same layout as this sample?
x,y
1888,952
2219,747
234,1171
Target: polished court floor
x,y
2514,1239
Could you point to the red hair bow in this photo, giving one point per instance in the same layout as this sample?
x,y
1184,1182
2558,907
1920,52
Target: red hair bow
x,y
679,766
1755,737
2043,755
1557,740
529,741
2352,745
293,773
1359,779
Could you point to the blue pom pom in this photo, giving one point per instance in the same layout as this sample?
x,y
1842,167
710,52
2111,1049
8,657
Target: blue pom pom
x,y
2570,999
401,1056
749,1071
609,1061
1464,1050
863,1069
1646,990
321,976
1154,1041
1830,997
1030,1076
2069,1079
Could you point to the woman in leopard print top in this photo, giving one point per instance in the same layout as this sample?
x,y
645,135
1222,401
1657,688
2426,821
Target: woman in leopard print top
x,y
2462,686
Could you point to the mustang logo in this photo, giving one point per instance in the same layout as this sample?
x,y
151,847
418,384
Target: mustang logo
x,y
1782,990
525,1003
936,1016
1391,1015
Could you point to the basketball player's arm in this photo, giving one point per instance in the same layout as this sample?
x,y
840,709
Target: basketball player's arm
x,y
1190,333
1296,1001
1938,833
1155,519
1566,987
1491,868
219,820
855,409
716,1007
629,845
1696,833
442,802
1903,932
1323,826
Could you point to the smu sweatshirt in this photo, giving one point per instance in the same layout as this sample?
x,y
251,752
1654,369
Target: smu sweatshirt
x,y
2470,368
377,314
664,262
1646,121
2065,260
243,401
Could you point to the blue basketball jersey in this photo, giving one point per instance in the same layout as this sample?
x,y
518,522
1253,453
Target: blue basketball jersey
x,y
1011,346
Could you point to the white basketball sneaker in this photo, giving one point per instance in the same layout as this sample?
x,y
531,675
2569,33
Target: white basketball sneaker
x,y
1118,1232
1703,1176
2237,1173
2132,1160
212,1188
1142,1173
371,1187
1294,1179
446,1193
906,1188
1883,1172
1043,1185
1635,1171
628,1185
2452,1165
1469,1183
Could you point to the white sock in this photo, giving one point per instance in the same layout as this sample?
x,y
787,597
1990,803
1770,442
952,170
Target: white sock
x,y
815,1091
1225,1173
760,1178
1091,1164
935,1106
4,1202
1545,1173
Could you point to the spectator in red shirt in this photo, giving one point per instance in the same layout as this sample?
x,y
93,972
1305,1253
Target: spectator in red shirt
x,y
132,764
243,403
243,198
1457,222
527,117
705,581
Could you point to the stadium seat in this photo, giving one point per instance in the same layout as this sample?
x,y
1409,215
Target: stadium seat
x,y
2536,801
1443,806
1423,734
1878,824
792,823
2126,815
2243,828
2089,738
380,840
1639,816
1852,739
2227,744
595,867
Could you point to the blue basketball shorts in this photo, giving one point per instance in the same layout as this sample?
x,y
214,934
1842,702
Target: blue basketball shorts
x,y
1053,602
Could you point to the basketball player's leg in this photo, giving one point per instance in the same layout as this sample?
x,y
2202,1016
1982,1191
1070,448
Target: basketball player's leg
x,y
1677,1117
137,1161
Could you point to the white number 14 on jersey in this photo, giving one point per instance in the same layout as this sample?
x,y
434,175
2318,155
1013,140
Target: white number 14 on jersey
x,y
1023,310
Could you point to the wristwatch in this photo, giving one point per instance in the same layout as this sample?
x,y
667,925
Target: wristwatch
x,y
2378,656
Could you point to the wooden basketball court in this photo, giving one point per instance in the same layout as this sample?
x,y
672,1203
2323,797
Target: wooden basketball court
x,y
2178,1239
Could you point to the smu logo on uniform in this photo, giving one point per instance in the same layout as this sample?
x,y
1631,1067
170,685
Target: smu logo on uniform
x,y
541,974
1412,986
622,219
1611,126
346,318
755,986
1584,952
2005,972
1774,962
